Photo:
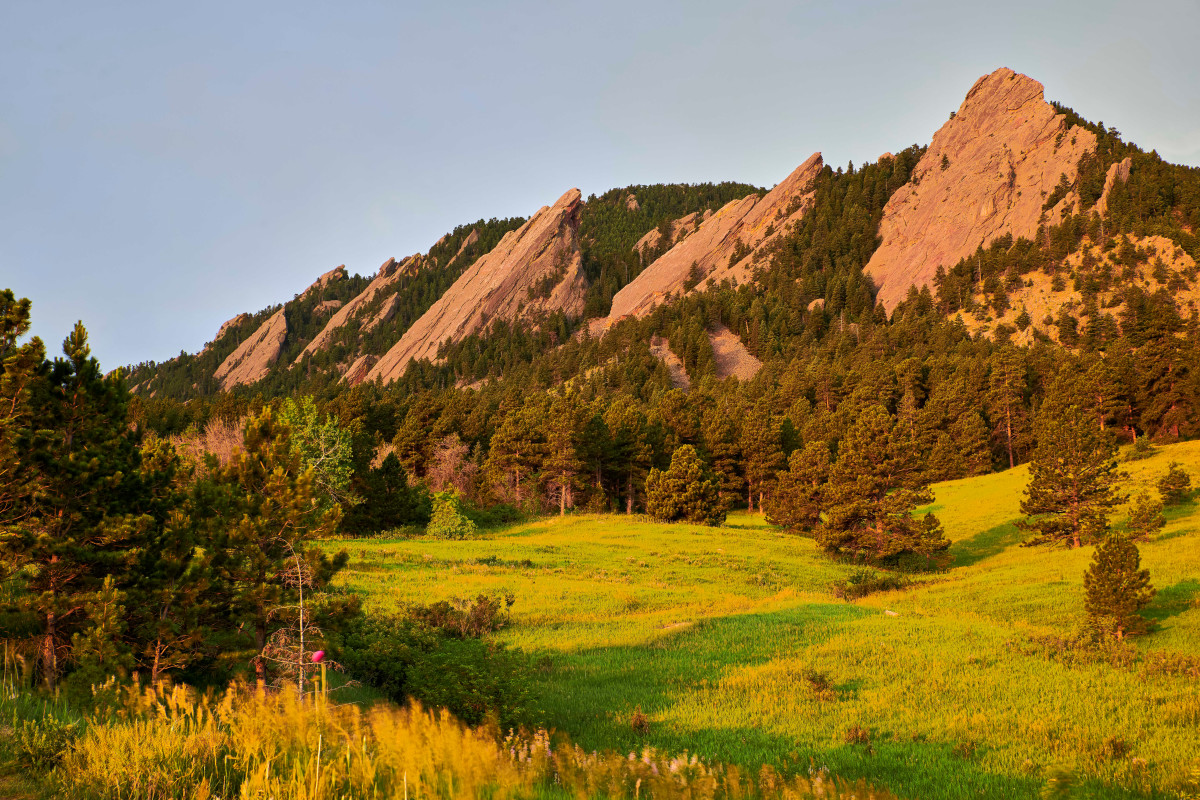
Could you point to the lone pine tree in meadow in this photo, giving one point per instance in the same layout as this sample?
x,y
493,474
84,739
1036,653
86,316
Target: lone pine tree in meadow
x,y
1176,486
1116,589
1145,518
1073,480
687,490
873,489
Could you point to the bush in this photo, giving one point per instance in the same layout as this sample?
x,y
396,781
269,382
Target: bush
x,y
1141,449
686,491
464,618
1176,486
448,520
1145,518
42,743
407,659
863,582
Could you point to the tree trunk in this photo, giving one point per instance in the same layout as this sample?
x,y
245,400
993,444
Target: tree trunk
x,y
260,643
629,496
562,501
49,654
1008,434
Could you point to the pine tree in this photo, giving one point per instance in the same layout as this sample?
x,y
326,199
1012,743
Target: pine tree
x,y
796,503
873,488
632,453
1176,486
722,446
1073,479
517,449
266,515
687,490
1006,400
762,451
1116,589
19,368
1145,518
562,466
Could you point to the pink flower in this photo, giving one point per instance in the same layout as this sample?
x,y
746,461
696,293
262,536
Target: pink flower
x,y
317,656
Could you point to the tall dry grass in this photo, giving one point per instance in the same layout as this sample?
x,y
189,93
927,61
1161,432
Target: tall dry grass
x,y
174,743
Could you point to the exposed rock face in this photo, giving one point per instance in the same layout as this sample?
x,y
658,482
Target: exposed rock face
x,y
631,203
385,281
254,357
230,325
663,352
730,356
679,228
327,306
534,270
748,225
357,372
1116,172
336,274
988,172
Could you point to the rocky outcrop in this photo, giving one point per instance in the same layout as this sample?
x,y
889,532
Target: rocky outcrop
x,y
742,228
730,356
386,281
661,350
533,270
327,307
336,274
240,319
357,372
252,360
1116,172
987,172
679,228
631,203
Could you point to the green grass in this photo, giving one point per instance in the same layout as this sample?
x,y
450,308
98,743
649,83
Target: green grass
x,y
715,634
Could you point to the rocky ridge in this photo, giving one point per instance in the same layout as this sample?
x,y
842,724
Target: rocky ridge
x,y
254,357
742,227
534,270
988,171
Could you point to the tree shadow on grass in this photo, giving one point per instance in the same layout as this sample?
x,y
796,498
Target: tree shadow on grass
x,y
985,544
1173,600
591,696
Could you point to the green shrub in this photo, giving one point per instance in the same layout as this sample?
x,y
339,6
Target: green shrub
x,y
1141,449
862,582
1176,486
465,618
448,520
41,743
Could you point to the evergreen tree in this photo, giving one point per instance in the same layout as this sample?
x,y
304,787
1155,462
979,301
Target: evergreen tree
x,y
762,451
1006,400
722,445
796,503
1073,479
1145,518
687,490
1116,589
388,502
71,531
517,449
267,515
873,488
562,467
19,368
1176,486
632,453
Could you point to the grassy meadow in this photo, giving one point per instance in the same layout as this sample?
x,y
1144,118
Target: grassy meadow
x,y
731,642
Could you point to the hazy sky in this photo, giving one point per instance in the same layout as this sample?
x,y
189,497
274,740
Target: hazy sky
x,y
164,166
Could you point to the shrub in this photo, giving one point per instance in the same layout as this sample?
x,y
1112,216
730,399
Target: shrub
x,y
687,490
1176,486
448,520
640,722
42,743
406,660
1145,518
1142,448
856,734
862,582
465,619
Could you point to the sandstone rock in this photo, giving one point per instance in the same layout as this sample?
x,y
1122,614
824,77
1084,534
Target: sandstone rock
x,y
631,203
1116,172
663,352
385,281
679,228
752,222
987,172
730,356
384,314
533,270
327,307
336,274
230,325
254,357
471,239
356,373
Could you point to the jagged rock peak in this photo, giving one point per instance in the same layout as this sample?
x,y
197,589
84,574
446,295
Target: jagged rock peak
x,y
534,270
336,274
1116,172
385,280
748,225
254,357
988,172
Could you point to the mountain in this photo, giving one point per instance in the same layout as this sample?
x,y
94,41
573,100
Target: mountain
x,y
1017,219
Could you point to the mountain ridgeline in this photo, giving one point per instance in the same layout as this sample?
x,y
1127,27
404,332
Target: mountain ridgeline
x,y
1024,254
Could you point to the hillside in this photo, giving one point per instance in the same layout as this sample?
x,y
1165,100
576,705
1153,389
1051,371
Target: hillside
x,y
732,643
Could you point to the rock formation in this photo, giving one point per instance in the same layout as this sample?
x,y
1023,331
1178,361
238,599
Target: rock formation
x,y
254,357
336,274
679,228
356,373
385,281
1116,172
987,172
742,227
534,270
240,319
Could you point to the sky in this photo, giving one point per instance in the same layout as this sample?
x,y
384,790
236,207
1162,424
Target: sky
x,y
166,166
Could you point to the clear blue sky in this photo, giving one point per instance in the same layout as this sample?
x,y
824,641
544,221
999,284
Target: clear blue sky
x,y
164,166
